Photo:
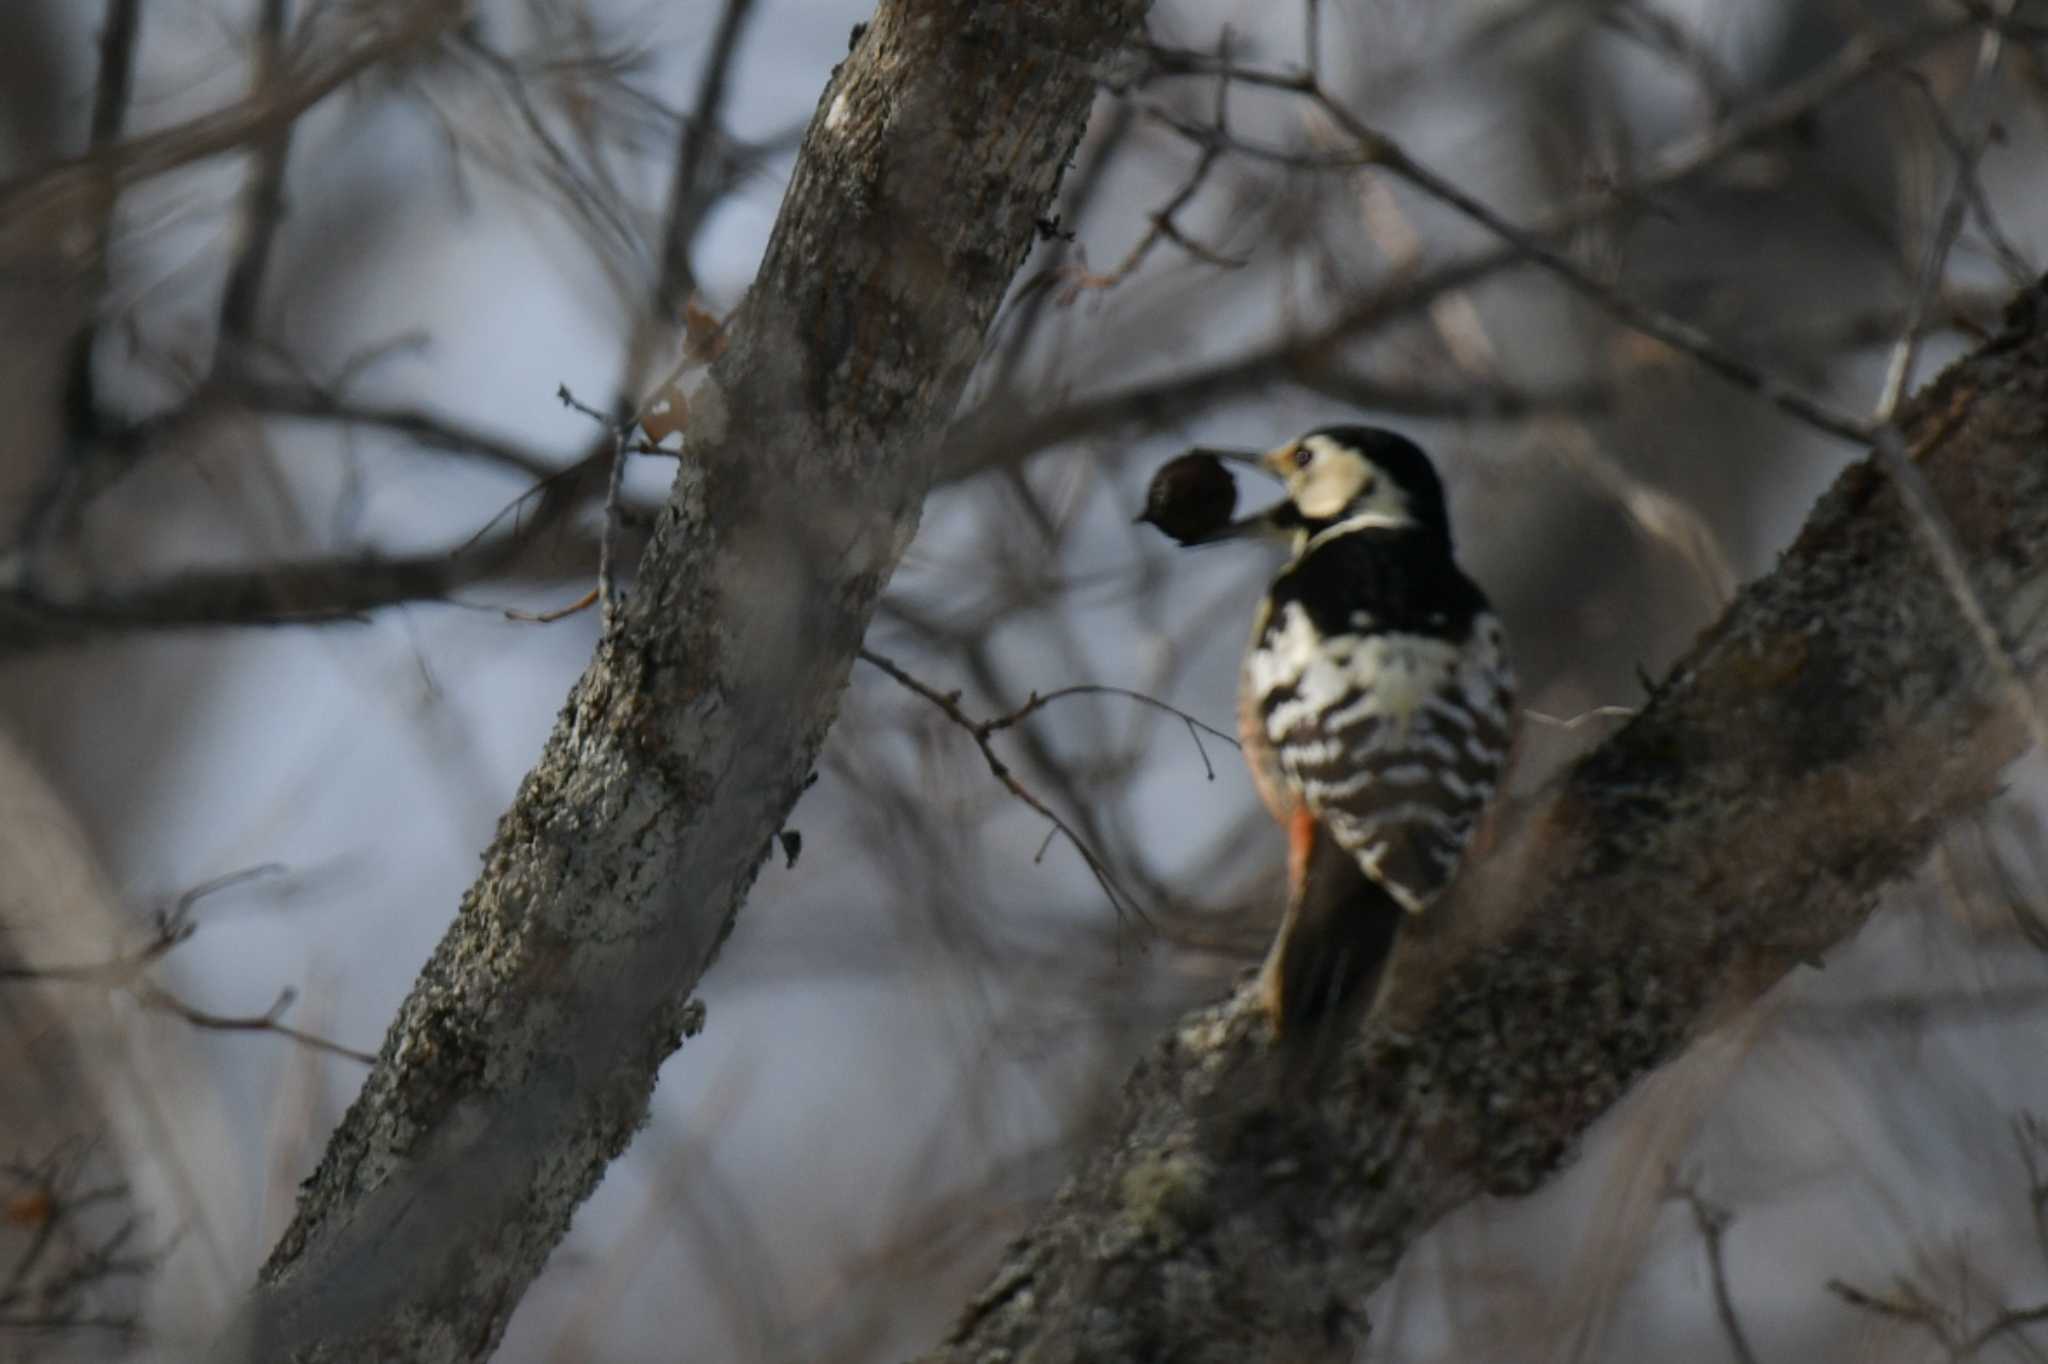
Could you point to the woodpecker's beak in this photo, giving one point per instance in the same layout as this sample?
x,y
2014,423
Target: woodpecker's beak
x,y
1278,462
1280,519
1250,459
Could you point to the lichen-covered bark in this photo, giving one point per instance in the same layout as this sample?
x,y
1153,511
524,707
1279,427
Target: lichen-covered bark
x,y
1804,754
524,1058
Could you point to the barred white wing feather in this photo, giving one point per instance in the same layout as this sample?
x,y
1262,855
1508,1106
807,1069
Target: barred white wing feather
x,y
1393,740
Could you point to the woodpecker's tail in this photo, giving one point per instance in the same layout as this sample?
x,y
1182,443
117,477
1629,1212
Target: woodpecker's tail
x,y
1326,958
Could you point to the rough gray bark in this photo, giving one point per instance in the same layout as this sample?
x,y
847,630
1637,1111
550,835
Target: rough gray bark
x,y
1804,754
524,1058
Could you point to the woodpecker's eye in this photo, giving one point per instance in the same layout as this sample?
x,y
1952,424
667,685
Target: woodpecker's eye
x,y
1303,456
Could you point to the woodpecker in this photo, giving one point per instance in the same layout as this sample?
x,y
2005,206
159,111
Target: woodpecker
x,y
1374,706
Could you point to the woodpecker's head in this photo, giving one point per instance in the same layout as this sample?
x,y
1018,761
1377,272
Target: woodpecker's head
x,y
1360,475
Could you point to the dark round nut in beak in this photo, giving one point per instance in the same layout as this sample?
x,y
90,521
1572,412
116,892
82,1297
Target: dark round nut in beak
x,y
1191,497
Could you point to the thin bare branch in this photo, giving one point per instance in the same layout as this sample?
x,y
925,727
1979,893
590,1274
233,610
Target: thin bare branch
x,y
1965,153
615,476
80,398
1036,702
128,973
151,995
263,198
1914,1306
948,704
1583,718
298,592
1163,225
1713,1221
691,191
116,83
34,202
428,429
1930,522
1372,147
1004,429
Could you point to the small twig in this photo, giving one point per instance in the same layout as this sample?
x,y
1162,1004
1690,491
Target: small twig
x,y
582,191
980,730
615,481
180,915
153,996
1910,1307
607,540
1899,373
2011,1319
430,430
1584,717
549,617
1713,1222
172,926
1163,226
1037,702
1665,35
175,926
1196,728
1969,183
263,201
1913,1307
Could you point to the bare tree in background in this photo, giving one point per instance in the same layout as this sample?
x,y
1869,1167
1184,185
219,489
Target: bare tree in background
x,y
1643,276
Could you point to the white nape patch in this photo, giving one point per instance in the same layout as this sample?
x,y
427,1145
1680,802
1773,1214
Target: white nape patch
x,y
1366,520
836,115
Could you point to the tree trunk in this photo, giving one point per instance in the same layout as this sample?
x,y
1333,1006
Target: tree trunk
x,y
525,1056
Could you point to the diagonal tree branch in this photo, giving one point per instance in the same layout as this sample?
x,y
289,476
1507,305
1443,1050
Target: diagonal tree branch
x,y
1805,754
40,205
524,1059
301,592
